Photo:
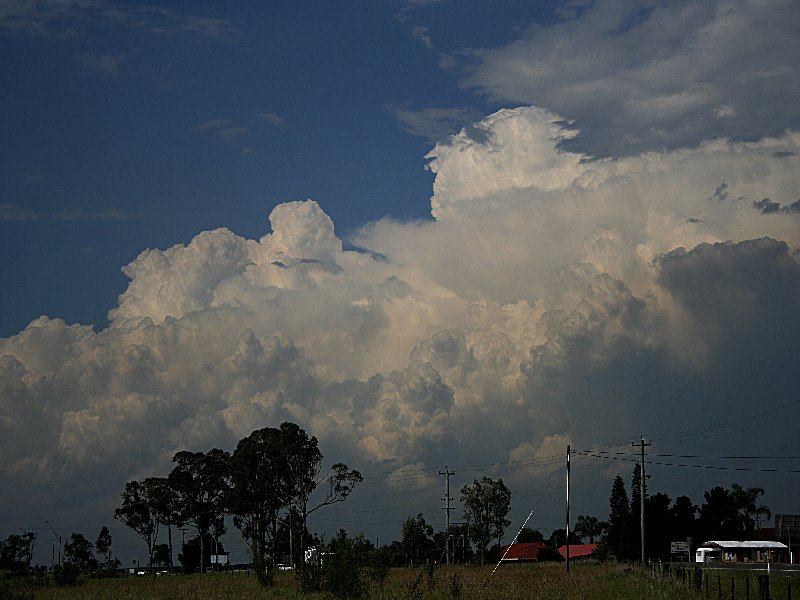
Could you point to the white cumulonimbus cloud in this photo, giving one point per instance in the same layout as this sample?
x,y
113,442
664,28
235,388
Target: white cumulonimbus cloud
x,y
552,298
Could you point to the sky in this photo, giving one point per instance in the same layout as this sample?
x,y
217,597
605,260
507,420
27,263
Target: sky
x,y
436,234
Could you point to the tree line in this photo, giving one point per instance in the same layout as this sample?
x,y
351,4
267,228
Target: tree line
x,y
79,556
733,513
485,504
265,486
726,513
272,471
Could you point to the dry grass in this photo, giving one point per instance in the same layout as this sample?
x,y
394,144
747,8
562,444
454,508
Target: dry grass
x,y
542,582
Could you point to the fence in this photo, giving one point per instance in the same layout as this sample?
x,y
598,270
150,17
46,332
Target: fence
x,y
734,583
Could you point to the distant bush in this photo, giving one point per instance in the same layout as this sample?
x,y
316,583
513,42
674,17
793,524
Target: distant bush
x,y
311,577
456,590
378,566
343,570
12,591
66,574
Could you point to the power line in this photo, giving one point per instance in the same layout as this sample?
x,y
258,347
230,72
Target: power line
x,y
671,464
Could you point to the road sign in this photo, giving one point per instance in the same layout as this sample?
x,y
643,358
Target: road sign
x,y
679,547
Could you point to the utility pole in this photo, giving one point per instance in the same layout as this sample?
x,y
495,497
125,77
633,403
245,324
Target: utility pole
x,y
447,499
642,444
567,537
59,540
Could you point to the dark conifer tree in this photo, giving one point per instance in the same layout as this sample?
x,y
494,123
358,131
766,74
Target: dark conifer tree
x,y
618,519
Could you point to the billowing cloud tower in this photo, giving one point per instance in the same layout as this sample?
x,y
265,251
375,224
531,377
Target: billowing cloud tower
x,y
553,298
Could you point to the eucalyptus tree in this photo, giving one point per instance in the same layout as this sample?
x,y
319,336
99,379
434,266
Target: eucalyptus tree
x,y
201,482
16,552
102,547
260,488
139,511
80,552
589,527
166,503
750,512
528,535
486,503
304,463
417,540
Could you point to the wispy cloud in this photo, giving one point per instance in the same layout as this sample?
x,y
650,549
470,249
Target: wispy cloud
x,y
11,212
111,214
271,118
214,124
108,64
433,124
225,128
405,12
228,129
422,35
67,19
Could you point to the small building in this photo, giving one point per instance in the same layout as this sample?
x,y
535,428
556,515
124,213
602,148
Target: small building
x,y
742,551
522,552
578,551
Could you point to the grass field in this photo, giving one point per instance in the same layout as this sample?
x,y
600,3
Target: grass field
x,y
542,582
547,581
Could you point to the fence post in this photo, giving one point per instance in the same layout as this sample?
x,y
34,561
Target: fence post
x,y
698,579
719,587
763,587
733,588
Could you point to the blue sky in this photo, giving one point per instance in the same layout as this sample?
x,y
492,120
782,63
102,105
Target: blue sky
x,y
429,232
129,126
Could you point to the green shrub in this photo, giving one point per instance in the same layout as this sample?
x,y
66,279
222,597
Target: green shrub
x,y
12,590
455,586
414,588
67,574
266,576
343,571
378,568
311,577
430,570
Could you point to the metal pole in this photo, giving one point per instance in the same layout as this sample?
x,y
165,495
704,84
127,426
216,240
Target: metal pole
x,y
642,443
447,510
567,540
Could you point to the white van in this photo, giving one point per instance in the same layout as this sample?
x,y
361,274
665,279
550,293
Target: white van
x,y
703,555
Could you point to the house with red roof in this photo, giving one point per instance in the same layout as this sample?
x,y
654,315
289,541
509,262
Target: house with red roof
x,y
577,551
527,552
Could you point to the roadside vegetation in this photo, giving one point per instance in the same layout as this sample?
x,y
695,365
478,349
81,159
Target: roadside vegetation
x,y
547,581
273,480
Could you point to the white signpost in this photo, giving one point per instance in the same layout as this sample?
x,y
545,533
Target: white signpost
x,y
679,547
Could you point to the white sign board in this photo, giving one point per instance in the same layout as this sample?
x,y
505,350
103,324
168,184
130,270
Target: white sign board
x,y
679,547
